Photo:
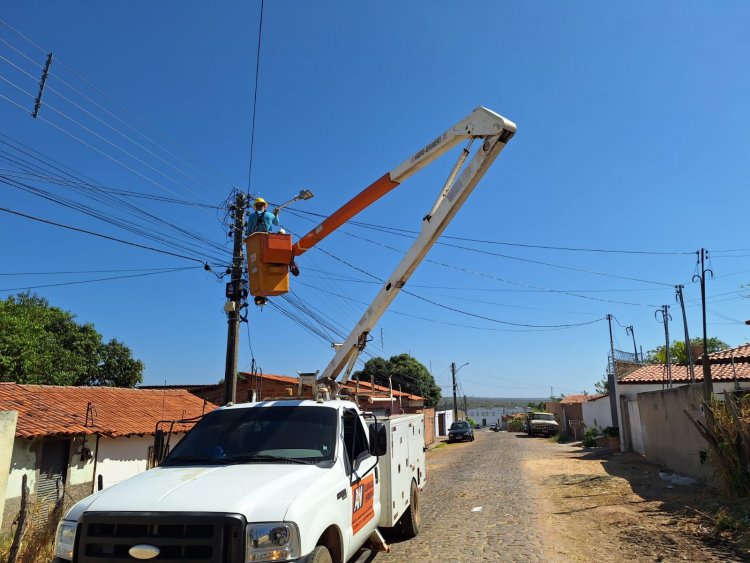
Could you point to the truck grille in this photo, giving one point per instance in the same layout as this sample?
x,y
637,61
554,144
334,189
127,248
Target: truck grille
x,y
210,538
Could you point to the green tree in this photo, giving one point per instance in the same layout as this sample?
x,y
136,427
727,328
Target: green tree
x,y
678,353
43,344
403,370
602,386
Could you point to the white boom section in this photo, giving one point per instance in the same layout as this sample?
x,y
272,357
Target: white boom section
x,y
495,131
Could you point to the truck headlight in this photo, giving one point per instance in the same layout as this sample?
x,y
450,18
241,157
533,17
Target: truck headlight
x,y
272,541
65,539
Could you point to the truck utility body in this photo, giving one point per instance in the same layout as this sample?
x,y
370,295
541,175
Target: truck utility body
x,y
292,479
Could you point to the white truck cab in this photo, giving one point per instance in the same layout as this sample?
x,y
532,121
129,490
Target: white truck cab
x,y
282,480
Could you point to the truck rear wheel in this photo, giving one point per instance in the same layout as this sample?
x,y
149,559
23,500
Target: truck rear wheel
x,y
321,555
411,520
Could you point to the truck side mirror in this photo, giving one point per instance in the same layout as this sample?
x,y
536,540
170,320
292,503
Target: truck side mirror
x,y
378,439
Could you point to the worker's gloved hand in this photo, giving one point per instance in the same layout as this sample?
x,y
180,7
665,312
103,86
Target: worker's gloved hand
x,y
276,212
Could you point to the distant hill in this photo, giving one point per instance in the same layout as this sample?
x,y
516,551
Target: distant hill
x,y
446,403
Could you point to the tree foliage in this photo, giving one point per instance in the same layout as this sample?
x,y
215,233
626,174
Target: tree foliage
x,y
403,370
43,344
678,353
602,386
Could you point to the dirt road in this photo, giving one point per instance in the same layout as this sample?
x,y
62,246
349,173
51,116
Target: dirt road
x,y
506,497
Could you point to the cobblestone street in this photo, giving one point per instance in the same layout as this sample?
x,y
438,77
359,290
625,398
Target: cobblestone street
x,y
478,504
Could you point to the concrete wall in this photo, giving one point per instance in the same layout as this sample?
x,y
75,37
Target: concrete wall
x,y
429,426
448,421
670,439
120,458
597,413
7,436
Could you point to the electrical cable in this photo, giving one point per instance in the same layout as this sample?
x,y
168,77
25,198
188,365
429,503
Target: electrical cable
x,y
460,311
59,63
413,234
98,215
27,287
85,231
111,198
92,271
255,101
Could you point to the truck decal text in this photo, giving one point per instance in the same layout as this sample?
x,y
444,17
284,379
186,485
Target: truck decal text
x,y
362,503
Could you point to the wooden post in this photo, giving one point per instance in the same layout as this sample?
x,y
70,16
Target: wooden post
x,y
15,548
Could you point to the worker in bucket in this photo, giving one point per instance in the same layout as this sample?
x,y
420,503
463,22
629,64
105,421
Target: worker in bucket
x,y
262,220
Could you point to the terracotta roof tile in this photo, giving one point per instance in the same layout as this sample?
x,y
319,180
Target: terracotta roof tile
x,y
45,410
574,399
657,373
740,353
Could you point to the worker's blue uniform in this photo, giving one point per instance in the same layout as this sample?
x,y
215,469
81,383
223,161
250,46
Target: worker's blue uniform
x,y
261,222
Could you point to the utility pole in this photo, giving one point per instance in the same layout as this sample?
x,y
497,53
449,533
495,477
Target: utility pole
x,y
688,348
42,82
466,410
235,292
665,316
455,405
631,331
612,377
708,386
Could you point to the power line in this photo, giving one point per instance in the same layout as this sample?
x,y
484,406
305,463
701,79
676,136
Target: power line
x,y
255,100
85,231
462,312
413,234
91,271
193,158
168,271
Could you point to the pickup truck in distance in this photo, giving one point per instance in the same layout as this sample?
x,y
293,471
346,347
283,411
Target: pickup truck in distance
x,y
541,424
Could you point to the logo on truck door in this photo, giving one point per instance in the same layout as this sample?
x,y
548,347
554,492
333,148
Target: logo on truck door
x,y
362,503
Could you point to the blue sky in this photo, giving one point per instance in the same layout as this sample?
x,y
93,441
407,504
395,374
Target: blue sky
x,y
632,136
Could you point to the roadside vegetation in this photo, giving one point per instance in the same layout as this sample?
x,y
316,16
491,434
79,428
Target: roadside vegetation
x,y
727,431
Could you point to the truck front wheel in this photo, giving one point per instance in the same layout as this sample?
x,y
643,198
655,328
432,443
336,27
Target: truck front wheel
x,y
321,555
411,520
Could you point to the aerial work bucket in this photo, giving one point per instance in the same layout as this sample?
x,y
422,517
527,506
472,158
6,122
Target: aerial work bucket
x,y
268,259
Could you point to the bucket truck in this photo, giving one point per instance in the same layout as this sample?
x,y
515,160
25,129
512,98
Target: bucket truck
x,y
294,478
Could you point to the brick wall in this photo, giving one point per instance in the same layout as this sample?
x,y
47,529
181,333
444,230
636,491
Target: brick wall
x,y
429,426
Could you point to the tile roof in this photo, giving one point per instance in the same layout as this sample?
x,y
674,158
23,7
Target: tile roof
x,y
351,384
575,399
740,353
656,373
364,386
47,410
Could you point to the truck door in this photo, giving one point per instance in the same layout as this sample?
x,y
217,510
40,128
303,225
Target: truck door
x,y
364,480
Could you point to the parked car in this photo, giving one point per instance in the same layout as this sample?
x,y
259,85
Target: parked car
x,y
495,428
461,430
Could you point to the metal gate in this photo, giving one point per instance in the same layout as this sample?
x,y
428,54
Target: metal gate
x,y
53,469
636,429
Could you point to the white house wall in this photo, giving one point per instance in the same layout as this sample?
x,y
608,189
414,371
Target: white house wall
x,y
7,436
121,458
597,413
23,462
489,416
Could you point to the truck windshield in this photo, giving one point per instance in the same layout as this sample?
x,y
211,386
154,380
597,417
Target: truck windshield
x,y
542,416
259,435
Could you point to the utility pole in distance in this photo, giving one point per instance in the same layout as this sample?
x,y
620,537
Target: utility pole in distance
x,y
455,404
612,376
708,386
454,371
234,294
